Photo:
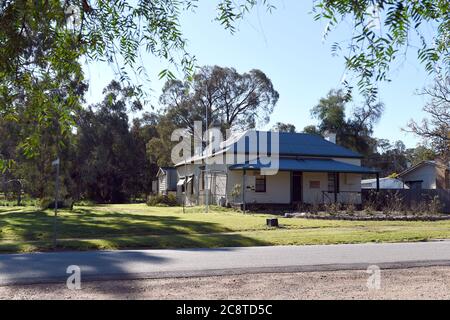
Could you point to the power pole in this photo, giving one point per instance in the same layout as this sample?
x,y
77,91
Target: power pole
x,y
206,167
185,186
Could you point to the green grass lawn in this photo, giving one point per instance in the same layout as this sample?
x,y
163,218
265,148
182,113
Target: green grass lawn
x,y
139,226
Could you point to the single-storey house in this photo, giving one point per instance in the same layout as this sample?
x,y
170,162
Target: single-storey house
x,y
385,183
310,170
166,179
427,175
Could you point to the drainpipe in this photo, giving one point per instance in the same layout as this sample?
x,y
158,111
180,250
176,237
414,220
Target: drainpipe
x,y
336,181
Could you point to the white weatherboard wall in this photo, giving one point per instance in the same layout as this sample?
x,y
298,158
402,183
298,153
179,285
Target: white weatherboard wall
x,y
181,172
278,187
314,196
350,188
216,179
162,182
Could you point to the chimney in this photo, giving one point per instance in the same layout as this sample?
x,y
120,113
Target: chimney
x,y
330,136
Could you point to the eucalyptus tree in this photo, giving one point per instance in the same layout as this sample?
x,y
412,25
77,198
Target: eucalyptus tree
x,y
435,129
43,41
284,127
382,32
353,131
42,44
223,97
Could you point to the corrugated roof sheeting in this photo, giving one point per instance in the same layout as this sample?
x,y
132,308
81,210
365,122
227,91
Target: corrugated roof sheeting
x,y
302,144
308,165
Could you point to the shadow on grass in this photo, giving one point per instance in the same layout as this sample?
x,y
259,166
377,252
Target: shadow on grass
x,y
87,230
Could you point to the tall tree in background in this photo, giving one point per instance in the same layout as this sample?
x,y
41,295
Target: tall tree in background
x,y
41,43
142,131
311,129
393,158
389,158
354,132
284,127
220,96
160,146
110,164
37,42
223,96
40,73
436,129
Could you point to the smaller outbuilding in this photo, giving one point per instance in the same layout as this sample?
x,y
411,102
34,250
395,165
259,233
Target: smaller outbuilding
x,y
427,175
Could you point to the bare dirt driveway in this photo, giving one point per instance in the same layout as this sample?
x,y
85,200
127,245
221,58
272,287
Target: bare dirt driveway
x,y
410,283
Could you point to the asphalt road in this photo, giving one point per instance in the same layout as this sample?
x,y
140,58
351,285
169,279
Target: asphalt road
x,y
138,264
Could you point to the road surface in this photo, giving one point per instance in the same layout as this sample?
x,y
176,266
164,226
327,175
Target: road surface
x,y
139,264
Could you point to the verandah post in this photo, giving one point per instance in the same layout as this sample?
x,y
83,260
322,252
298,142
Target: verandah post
x,y
243,190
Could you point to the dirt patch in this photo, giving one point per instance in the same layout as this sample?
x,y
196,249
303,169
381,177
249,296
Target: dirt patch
x,y
413,283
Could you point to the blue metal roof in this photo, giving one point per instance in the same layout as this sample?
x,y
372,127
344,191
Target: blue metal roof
x,y
304,144
308,165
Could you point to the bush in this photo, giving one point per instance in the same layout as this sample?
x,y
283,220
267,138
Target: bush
x,y
350,208
393,203
49,203
332,208
435,206
85,203
169,200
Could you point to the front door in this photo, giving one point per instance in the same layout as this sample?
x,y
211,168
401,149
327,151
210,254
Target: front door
x,y
296,187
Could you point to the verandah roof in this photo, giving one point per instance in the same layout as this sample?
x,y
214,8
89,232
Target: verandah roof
x,y
308,165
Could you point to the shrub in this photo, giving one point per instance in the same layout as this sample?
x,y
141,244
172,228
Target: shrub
x,y
315,208
435,205
236,192
45,203
332,208
372,202
85,203
393,203
49,203
169,200
418,208
350,208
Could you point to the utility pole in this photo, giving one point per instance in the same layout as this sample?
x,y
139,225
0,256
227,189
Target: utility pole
x,y
185,186
206,166
243,190
56,164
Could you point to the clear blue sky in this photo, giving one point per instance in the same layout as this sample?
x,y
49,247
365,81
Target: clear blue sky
x,y
287,45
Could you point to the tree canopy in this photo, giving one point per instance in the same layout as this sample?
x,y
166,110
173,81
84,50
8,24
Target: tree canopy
x,y
354,131
43,42
284,127
436,129
221,96
383,31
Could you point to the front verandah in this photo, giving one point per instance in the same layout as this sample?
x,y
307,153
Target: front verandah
x,y
301,181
